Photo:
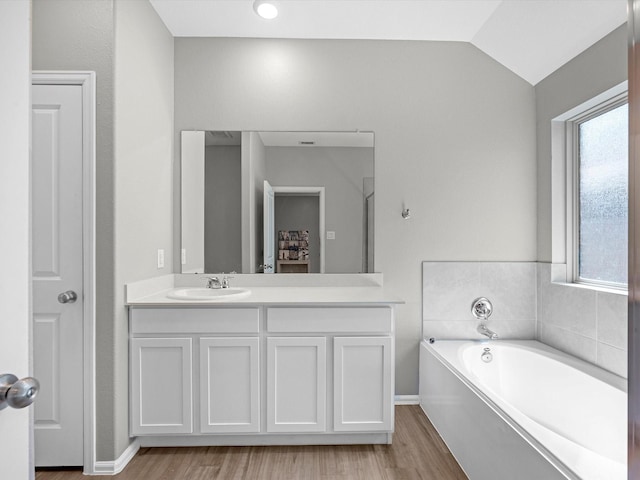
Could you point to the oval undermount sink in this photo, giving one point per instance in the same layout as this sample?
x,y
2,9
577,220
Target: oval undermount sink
x,y
208,293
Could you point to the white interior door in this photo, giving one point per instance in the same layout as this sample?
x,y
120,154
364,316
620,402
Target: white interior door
x,y
57,268
269,228
15,30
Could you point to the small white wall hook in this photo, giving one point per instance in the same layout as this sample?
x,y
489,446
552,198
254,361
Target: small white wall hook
x,y
406,214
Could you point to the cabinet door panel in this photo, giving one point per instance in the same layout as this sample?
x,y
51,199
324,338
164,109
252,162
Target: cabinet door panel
x,y
362,388
161,378
296,384
229,385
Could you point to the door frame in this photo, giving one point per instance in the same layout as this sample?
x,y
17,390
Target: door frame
x,y
87,81
310,191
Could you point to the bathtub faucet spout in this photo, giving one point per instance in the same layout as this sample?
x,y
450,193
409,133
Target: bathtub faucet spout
x,y
482,328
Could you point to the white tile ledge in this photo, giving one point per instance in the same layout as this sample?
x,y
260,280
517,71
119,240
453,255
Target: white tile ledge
x,y
593,288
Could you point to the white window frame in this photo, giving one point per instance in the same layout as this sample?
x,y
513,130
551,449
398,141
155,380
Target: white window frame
x,y
565,156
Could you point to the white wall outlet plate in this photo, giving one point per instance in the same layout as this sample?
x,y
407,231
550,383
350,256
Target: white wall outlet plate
x,y
331,235
160,258
183,256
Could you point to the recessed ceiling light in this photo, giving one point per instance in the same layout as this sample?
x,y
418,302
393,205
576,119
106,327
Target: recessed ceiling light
x,y
266,9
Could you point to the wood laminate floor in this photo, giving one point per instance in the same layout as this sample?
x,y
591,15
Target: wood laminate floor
x,y
417,453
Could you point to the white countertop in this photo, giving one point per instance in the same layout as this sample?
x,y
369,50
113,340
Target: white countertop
x,y
363,290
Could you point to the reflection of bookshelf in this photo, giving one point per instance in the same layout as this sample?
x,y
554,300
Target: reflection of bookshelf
x,y
293,251
292,266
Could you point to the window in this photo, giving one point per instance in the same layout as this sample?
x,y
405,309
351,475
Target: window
x,y
598,236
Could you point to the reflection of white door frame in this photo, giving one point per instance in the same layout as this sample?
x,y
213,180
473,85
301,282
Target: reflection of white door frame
x,y
87,80
369,234
319,191
268,237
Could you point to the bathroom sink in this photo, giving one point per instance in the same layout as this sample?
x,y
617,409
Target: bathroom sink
x,y
208,293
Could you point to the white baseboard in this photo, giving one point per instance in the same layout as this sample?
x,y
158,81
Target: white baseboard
x,y
407,400
116,466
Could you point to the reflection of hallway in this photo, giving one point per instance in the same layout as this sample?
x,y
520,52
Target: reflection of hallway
x,y
300,212
416,452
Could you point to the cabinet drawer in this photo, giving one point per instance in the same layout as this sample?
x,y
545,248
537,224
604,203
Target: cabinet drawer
x,y
195,320
330,320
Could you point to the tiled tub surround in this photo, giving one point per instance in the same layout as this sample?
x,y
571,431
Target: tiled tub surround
x,y
530,301
590,324
449,288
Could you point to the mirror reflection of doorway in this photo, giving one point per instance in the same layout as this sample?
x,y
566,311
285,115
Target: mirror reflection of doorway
x,y
300,212
297,209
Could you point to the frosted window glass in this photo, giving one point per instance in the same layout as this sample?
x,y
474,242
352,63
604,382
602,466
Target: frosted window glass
x,y
604,192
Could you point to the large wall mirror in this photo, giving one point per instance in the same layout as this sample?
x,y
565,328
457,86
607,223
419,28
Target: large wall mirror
x,y
277,202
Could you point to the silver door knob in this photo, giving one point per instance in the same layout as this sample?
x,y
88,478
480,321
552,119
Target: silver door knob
x,y
17,393
68,297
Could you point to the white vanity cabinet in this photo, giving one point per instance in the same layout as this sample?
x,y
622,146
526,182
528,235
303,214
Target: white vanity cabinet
x,y
262,374
194,370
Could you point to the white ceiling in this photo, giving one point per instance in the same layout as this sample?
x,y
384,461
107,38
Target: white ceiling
x,y
532,38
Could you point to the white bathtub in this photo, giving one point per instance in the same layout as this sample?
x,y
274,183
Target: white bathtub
x,y
531,413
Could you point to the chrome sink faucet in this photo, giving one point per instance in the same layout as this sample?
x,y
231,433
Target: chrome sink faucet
x,y
225,281
214,282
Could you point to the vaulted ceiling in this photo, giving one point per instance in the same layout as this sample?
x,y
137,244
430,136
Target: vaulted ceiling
x,y
532,38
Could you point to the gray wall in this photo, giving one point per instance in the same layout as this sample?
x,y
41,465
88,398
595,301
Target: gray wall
x,y
341,171
222,210
455,142
131,51
143,157
587,323
597,69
